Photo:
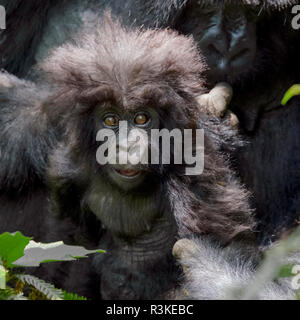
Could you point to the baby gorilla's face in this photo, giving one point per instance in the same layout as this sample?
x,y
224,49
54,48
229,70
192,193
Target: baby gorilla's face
x,y
126,152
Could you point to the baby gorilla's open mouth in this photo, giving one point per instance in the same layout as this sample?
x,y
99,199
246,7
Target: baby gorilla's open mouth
x,y
128,173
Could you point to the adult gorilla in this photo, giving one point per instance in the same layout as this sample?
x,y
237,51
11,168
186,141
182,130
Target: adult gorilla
x,y
253,47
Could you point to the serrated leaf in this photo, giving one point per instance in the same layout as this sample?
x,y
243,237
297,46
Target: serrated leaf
x,y
36,253
292,91
12,246
46,288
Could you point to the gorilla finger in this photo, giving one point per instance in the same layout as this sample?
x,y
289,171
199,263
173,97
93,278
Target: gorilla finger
x,y
217,100
184,248
231,120
6,80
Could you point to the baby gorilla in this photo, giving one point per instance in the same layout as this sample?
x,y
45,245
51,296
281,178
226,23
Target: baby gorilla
x,y
150,79
136,211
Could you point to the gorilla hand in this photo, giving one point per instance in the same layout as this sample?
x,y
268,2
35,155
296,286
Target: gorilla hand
x,y
212,271
216,103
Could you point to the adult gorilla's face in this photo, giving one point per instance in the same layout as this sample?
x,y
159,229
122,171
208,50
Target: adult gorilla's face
x,y
226,35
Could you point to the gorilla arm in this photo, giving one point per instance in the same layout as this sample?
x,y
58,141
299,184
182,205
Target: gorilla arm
x,y
26,140
213,272
26,136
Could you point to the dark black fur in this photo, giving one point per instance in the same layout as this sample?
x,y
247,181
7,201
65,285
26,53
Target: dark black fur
x,y
24,28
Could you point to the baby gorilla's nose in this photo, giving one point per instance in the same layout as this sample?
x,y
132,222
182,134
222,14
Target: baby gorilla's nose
x,y
134,149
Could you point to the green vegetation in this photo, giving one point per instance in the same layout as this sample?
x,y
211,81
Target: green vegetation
x,y
293,91
17,252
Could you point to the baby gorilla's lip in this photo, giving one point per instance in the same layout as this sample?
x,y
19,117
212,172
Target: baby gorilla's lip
x,y
128,173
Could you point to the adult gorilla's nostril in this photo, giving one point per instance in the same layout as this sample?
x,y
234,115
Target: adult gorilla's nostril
x,y
240,58
240,54
216,57
227,62
213,50
217,49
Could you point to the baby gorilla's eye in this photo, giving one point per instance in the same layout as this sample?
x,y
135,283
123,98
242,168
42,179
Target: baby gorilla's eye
x,y
111,121
141,119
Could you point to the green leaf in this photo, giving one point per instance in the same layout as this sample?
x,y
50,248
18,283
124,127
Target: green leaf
x,y
36,253
72,296
12,247
6,294
286,271
292,91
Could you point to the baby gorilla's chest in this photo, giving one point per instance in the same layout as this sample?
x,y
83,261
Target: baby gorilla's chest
x,y
141,267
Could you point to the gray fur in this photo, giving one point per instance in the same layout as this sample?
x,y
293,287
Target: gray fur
x,y
213,272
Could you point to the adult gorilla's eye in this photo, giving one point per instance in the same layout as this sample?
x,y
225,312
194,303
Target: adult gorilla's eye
x,y
111,121
141,119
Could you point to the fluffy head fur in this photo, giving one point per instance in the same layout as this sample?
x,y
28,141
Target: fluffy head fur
x,y
116,61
